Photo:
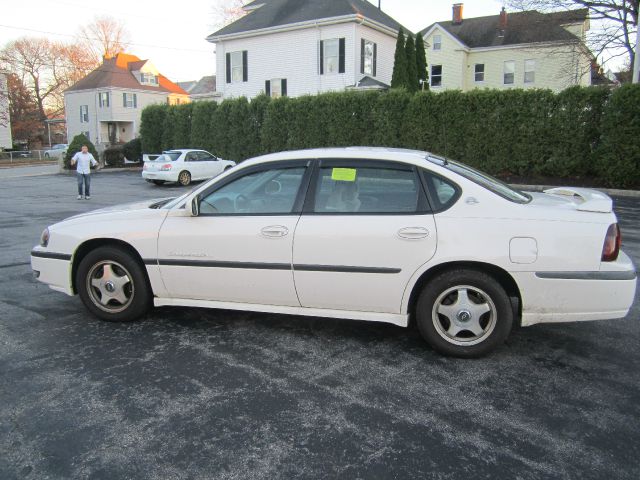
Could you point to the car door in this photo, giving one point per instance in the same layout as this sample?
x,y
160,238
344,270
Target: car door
x,y
366,228
239,247
192,164
211,166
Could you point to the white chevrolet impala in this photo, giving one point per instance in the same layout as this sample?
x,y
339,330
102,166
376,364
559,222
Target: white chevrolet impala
x,y
358,233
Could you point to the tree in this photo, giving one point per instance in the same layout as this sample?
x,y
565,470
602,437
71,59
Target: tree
x,y
617,21
4,101
75,146
412,69
104,37
227,11
23,110
421,62
399,77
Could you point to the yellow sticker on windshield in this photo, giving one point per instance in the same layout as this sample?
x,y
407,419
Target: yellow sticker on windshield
x,y
343,174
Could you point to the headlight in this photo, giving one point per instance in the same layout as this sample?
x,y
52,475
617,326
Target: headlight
x,y
44,238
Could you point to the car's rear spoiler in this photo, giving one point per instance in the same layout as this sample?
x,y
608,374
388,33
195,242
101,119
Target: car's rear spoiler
x,y
587,200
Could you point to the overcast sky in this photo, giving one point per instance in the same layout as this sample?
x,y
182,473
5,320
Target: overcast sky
x,y
173,37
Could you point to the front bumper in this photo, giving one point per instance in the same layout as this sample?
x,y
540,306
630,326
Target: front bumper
x,y
554,297
53,269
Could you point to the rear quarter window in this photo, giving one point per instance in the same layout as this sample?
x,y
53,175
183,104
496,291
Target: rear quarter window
x,y
442,192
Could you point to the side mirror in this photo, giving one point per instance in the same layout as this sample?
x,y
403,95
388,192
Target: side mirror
x,y
195,206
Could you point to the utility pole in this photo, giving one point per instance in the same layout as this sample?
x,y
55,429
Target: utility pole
x,y
379,4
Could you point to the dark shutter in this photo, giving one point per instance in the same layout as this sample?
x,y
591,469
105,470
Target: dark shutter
x,y
375,58
124,100
341,62
135,100
228,68
362,55
245,72
100,99
81,116
321,57
267,88
283,87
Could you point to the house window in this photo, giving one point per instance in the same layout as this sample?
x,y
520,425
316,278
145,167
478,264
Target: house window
x,y
332,56
103,99
479,72
368,60
509,72
237,64
276,87
149,79
437,42
129,100
529,71
84,113
436,75
86,134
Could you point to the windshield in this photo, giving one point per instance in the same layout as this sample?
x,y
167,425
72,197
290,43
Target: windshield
x,y
168,157
487,181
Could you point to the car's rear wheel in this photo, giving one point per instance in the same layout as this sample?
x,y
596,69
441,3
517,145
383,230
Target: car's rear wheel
x,y
464,313
158,182
113,285
184,178
228,167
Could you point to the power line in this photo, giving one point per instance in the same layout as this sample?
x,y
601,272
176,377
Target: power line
x,y
96,39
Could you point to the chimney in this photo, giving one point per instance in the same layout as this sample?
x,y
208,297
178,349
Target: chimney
x,y
457,13
503,19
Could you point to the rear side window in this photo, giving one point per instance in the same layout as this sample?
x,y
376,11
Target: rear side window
x,y
442,193
368,190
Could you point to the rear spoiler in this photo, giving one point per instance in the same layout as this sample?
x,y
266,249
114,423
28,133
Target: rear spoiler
x,y
587,200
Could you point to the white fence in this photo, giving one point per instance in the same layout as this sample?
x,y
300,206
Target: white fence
x,y
25,156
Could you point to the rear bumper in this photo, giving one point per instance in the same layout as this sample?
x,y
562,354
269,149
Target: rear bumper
x,y
164,176
54,269
554,297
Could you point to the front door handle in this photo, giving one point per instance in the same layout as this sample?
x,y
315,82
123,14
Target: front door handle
x,y
274,231
413,233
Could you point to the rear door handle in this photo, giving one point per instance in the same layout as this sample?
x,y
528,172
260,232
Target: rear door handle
x,y
274,231
413,233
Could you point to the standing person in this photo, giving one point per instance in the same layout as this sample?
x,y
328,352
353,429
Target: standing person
x,y
84,160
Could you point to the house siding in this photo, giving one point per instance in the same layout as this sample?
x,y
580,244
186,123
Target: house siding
x,y
115,112
5,121
557,67
294,55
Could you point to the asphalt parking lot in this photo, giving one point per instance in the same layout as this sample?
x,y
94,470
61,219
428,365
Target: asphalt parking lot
x,y
192,393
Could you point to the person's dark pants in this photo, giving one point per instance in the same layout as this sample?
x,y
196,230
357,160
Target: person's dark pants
x,y
84,178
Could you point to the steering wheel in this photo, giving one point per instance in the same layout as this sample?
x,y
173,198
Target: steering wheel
x,y
241,203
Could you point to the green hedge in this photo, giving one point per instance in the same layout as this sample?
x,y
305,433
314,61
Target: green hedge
x,y
580,132
76,146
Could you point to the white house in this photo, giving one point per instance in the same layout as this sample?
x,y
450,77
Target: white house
x,y
106,104
5,119
300,47
523,50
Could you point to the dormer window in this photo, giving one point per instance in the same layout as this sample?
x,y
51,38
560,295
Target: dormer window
x,y
148,79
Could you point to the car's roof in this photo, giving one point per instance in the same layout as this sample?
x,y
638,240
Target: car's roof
x,y
368,153
182,150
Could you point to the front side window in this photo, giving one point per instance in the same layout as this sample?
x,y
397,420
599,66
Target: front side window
x,y
367,190
509,72
368,57
437,42
529,71
84,113
266,192
129,100
479,72
331,55
103,99
205,156
436,75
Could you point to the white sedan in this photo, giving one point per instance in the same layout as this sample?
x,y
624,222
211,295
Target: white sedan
x,y
57,151
360,233
183,166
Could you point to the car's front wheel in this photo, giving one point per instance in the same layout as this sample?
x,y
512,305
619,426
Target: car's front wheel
x,y
113,285
464,313
184,178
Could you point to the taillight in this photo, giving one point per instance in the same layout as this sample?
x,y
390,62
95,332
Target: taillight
x,y
165,167
144,167
612,243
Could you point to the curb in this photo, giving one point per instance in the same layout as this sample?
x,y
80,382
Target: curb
x,y
609,191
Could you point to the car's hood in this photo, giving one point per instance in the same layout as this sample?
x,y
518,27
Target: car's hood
x,y
125,207
573,198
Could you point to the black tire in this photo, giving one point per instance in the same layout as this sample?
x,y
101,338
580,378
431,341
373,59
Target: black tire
x,y
158,182
131,297
464,294
184,178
